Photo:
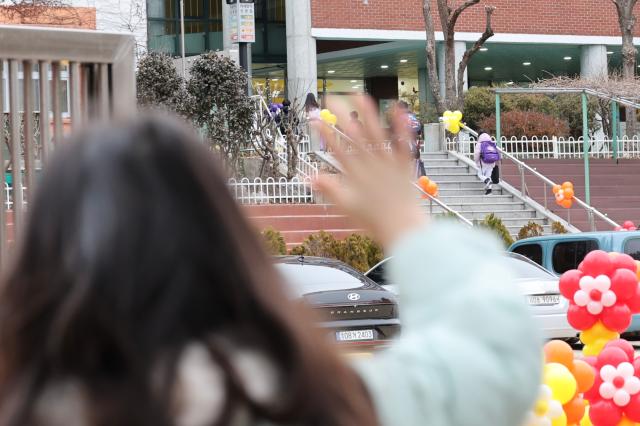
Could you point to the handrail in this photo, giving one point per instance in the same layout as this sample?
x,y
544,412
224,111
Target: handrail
x,y
591,211
415,185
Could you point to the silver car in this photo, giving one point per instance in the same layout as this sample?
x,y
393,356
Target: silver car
x,y
539,286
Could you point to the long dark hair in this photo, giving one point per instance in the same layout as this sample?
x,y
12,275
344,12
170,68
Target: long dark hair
x,y
134,249
310,102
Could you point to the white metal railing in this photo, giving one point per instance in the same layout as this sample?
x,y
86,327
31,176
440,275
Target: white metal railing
x,y
592,212
272,191
8,196
386,146
554,147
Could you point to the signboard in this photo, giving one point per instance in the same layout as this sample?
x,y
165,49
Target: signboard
x,y
242,24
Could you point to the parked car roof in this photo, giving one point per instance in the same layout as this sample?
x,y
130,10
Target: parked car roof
x,y
595,235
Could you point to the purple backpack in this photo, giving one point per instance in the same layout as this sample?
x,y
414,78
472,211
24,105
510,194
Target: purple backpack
x,y
489,153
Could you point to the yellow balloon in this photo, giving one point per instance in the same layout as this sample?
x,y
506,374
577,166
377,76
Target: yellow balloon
x,y
586,421
453,127
325,114
626,422
562,383
447,114
457,115
596,338
560,420
333,119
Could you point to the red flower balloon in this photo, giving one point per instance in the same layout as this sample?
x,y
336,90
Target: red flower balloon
x,y
603,288
616,391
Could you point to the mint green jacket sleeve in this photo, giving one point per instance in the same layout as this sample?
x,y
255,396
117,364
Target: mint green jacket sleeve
x,y
468,354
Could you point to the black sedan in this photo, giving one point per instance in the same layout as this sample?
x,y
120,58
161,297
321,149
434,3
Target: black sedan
x,y
355,309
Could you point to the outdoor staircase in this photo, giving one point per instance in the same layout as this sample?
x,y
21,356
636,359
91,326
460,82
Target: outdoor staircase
x,y
461,190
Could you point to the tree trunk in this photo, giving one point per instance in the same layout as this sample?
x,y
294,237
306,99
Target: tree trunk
x,y
432,73
629,73
453,93
627,22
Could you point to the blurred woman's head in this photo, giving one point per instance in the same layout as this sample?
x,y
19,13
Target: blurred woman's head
x,y
311,102
134,251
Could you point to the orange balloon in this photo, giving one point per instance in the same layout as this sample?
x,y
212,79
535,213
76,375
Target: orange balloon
x,y
568,193
567,185
566,204
423,181
556,188
584,374
560,352
638,269
574,409
432,189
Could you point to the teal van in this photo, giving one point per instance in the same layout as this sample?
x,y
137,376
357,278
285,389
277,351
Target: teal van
x,y
560,253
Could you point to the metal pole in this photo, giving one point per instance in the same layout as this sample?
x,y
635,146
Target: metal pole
x,y
585,148
184,62
498,130
614,129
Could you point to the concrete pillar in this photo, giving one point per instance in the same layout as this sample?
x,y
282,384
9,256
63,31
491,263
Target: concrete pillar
x,y
460,47
302,71
593,61
425,94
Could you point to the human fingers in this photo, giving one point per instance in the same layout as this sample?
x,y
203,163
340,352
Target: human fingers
x,y
353,133
372,129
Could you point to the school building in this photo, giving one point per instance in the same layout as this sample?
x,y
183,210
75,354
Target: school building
x,y
350,46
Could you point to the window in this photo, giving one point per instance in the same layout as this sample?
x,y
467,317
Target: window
x,y
527,270
304,278
379,274
530,251
202,26
568,255
632,248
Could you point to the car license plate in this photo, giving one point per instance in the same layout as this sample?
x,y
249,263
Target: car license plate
x,y
354,335
544,299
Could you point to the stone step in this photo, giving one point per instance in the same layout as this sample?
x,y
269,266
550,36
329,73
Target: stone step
x,y
440,162
435,156
454,177
444,170
471,184
460,192
480,199
525,215
483,206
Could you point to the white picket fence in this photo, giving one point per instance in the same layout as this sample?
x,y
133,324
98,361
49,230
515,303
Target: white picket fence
x,y
553,147
8,196
272,191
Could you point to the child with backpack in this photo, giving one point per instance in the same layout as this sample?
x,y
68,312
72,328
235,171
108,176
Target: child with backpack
x,y
486,155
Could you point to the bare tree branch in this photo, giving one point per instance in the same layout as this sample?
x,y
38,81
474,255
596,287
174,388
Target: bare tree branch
x,y
41,12
456,13
444,10
434,81
486,35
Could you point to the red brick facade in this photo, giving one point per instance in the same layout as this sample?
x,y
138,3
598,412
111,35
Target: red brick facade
x,y
574,17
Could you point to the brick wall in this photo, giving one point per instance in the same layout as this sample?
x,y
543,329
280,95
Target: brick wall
x,y
575,17
67,17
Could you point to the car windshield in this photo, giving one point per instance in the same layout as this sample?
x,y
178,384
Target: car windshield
x,y
527,270
305,278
